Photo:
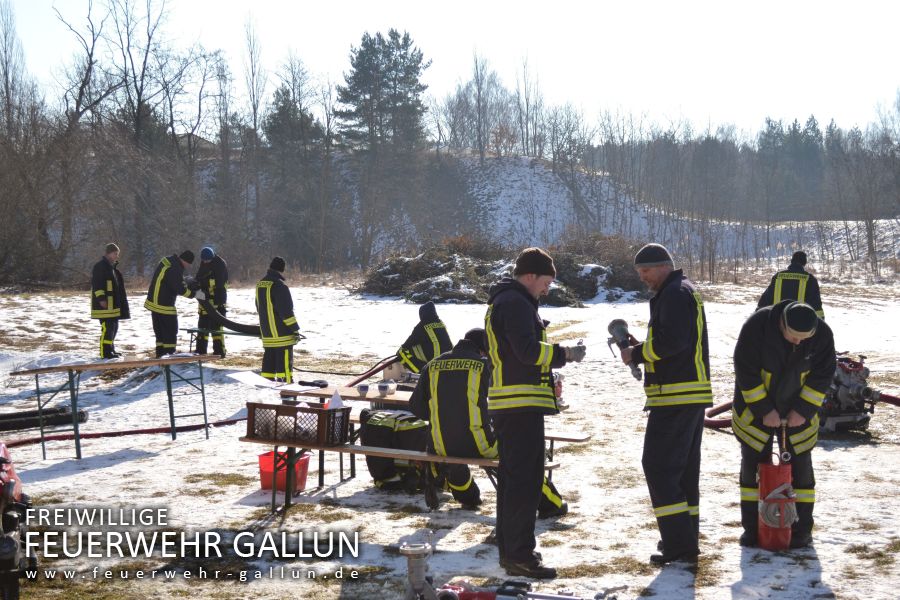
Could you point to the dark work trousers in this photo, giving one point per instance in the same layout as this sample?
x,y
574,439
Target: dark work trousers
x,y
671,464
462,486
803,482
520,438
108,330
551,499
204,321
165,328
278,364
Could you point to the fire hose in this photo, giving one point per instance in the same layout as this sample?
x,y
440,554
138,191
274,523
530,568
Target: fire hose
x,y
779,508
718,409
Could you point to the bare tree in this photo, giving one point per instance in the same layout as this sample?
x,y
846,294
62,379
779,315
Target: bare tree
x,y
135,41
255,79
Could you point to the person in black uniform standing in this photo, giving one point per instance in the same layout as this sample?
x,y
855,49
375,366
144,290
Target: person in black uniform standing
x,y
521,393
212,276
784,363
277,323
166,285
678,390
794,283
451,395
109,302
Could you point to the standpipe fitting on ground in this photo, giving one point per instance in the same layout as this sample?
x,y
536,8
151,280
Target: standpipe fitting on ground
x,y
418,587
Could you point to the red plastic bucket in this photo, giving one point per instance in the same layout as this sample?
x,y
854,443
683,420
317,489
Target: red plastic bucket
x,y
266,466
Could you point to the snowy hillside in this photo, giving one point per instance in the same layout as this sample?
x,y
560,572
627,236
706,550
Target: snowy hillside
x,y
604,541
526,204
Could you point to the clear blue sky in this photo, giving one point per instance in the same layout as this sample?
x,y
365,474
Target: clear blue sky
x,y
725,61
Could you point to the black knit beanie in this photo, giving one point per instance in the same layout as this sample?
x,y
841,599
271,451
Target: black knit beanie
x,y
800,320
277,264
653,255
534,260
799,258
477,337
187,256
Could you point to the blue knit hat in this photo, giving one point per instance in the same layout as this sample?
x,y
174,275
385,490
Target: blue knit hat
x,y
207,253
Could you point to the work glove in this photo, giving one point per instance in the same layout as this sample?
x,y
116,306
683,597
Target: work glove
x,y
200,295
574,353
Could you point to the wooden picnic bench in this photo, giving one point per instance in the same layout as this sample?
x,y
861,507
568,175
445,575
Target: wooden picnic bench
x,y
73,380
290,458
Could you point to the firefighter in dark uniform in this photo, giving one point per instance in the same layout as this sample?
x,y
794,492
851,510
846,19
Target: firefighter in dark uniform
x,y
521,393
212,276
784,364
277,323
676,382
428,339
794,283
166,285
109,302
451,395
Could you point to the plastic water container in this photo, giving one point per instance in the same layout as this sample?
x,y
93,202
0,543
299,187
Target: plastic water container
x,y
266,466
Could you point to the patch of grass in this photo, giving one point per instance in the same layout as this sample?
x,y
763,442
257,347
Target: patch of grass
x,y
551,542
220,479
575,449
554,327
568,336
868,526
620,564
705,572
881,557
47,499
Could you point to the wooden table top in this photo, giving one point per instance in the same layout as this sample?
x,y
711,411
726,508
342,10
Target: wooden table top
x,y
128,362
350,393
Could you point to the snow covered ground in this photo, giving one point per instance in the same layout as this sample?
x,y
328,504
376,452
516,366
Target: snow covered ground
x,y
604,542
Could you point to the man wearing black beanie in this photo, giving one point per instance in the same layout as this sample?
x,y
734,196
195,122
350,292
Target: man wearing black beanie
x,y
794,283
678,389
277,323
783,364
521,393
166,285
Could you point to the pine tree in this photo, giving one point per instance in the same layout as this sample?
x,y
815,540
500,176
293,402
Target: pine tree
x,y
383,93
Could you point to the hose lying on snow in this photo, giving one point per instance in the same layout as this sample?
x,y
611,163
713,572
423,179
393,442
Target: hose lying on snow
x,y
102,434
712,411
227,323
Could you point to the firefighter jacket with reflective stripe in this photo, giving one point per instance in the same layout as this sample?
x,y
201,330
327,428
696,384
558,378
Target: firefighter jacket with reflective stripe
x,y
427,340
521,358
794,283
277,323
676,352
771,373
107,284
451,395
213,279
167,284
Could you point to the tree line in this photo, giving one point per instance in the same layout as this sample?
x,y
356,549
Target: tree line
x,y
162,148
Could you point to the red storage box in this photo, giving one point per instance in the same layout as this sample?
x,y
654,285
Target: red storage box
x,y
267,465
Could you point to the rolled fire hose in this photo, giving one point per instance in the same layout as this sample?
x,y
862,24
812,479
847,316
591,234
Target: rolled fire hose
x,y
780,499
